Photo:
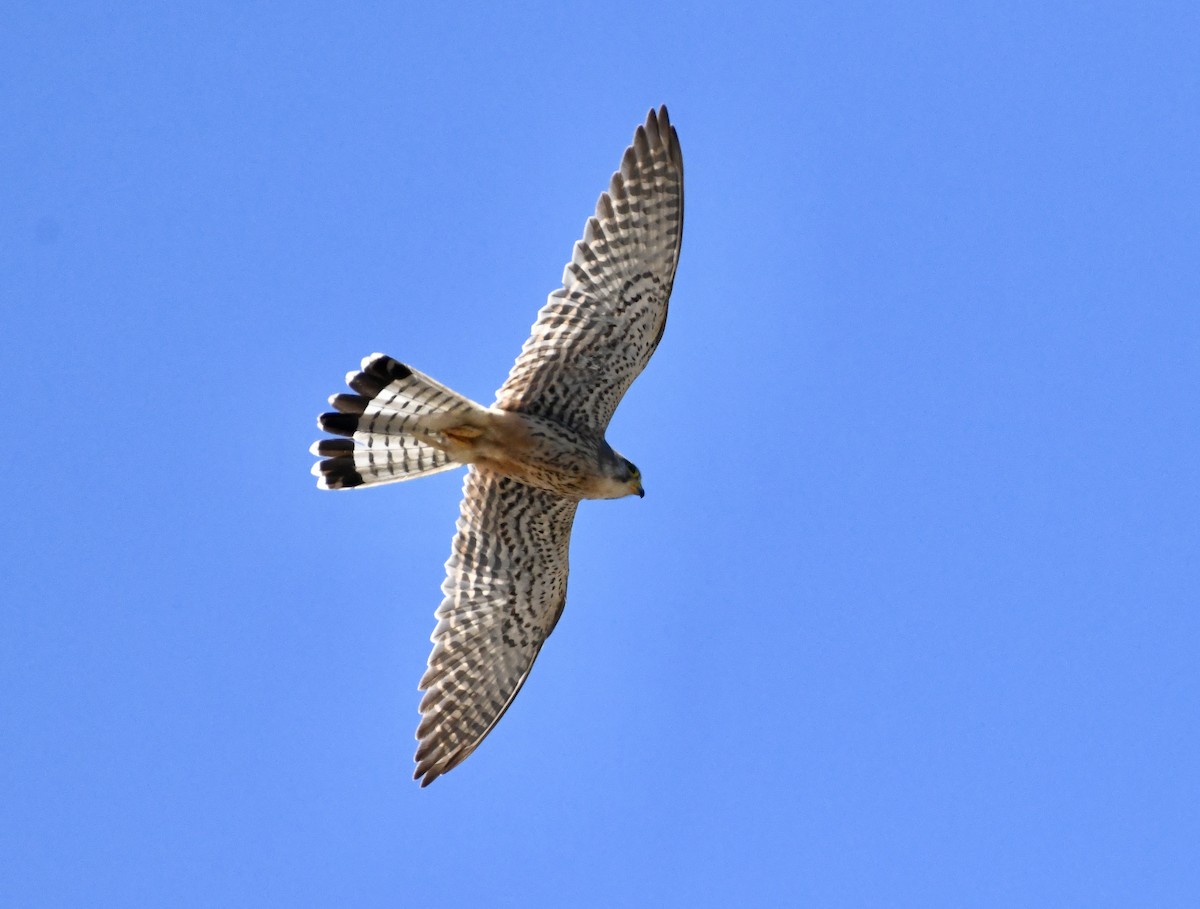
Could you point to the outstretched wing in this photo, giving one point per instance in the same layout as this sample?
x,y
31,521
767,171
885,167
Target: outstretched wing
x,y
595,335
506,583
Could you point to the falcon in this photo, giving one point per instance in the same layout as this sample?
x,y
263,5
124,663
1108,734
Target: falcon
x,y
531,456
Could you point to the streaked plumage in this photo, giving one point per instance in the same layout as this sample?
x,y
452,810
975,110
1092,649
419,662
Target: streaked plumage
x,y
533,454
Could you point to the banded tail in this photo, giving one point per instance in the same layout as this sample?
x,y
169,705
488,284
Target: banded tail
x,y
394,428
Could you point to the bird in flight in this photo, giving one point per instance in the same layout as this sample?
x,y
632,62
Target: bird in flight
x,y
532,455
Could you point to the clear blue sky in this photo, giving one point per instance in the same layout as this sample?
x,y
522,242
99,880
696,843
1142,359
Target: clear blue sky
x,y
908,616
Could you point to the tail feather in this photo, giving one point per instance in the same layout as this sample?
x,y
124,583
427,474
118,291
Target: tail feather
x,y
391,427
391,387
348,465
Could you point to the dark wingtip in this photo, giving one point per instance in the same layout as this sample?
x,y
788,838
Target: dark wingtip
x,y
660,122
425,775
355,404
366,385
333,448
386,369
340,424
339,473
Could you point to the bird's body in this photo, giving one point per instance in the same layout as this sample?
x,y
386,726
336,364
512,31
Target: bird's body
x,y
539,452
543,453
533,455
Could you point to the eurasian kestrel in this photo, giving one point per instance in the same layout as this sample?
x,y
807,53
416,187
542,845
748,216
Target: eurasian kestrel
x,y
533,454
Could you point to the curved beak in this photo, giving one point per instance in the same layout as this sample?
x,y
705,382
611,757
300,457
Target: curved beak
x,y
641,493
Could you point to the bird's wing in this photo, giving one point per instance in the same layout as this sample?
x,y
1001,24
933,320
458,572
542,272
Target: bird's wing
x,y
596,334
506,583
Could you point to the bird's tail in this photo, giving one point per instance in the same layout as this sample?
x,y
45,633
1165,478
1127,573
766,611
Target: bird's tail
x,y
400,424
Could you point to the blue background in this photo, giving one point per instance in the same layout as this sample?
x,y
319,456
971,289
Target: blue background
x,y
908,615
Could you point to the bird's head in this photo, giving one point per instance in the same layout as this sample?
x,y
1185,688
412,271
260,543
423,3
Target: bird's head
x,y
621,477
633,477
